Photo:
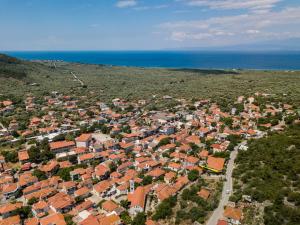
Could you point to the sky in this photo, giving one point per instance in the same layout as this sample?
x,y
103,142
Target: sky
x,y
146,24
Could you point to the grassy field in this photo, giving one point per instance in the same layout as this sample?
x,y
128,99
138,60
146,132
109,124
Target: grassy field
x,y
141,83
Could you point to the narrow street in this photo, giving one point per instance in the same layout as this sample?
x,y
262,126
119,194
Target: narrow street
x,y
228,185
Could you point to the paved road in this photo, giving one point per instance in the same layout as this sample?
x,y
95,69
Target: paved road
x,y
228,185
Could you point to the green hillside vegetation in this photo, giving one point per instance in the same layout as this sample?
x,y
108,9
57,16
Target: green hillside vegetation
x,y
269,172
107,82
12,67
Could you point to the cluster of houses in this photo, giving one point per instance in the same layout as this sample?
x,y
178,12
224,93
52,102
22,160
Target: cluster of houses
x,y
143,159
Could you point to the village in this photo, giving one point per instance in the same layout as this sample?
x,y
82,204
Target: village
x,y
122,163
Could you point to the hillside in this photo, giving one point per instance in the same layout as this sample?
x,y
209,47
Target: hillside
x,y
106,82
12,67
269,173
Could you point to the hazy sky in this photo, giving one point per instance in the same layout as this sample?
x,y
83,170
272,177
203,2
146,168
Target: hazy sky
x,y
144,24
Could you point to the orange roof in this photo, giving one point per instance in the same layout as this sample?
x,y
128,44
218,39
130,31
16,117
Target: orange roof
x,y
192,159
151,222
32,221
156,172
60,200
57,219
82,191
137,198
233,213
204,193
84,138
101,170
90,220
174,165
49,166
215,163
39,205
110,220
109,206
102,186
23,155
222,222
203,154
13,220
193,139
7,188
27,178
9,207
170,175
61,144
86,156
7,102
164,191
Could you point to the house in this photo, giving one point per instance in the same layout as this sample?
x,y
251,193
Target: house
x,y
27,179
23,156
82,193
164,191
103,188
137,200
69,187
222,222
204,193
13,220
112,219
156,173
61,202
111,207
9,209
234,215
174,166
40,209
83,141
170,177
56,218
50,168
101,172
10,190
215,164
61,146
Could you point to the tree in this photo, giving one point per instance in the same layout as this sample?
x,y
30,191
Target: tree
x,y
10,156
164,209
139,219
147,180
32,201
64,174
59,137
39,174
125,203
193,175
164,141
68,218
126,218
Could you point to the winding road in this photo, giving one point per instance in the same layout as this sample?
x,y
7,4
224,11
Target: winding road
x,y
228,185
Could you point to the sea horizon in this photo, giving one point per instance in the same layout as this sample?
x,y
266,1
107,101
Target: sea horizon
x,y
189,59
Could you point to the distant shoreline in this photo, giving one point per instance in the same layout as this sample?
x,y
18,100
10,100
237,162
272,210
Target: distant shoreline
x,y
172,59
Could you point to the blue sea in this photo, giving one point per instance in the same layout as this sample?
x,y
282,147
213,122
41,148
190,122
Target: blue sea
x,y
174,59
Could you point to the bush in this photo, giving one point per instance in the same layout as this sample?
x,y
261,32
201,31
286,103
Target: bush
x,y
193,175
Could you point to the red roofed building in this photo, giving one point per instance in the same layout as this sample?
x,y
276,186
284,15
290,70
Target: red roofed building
x,y
83,141
23,156
215,164
57,219
61,146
